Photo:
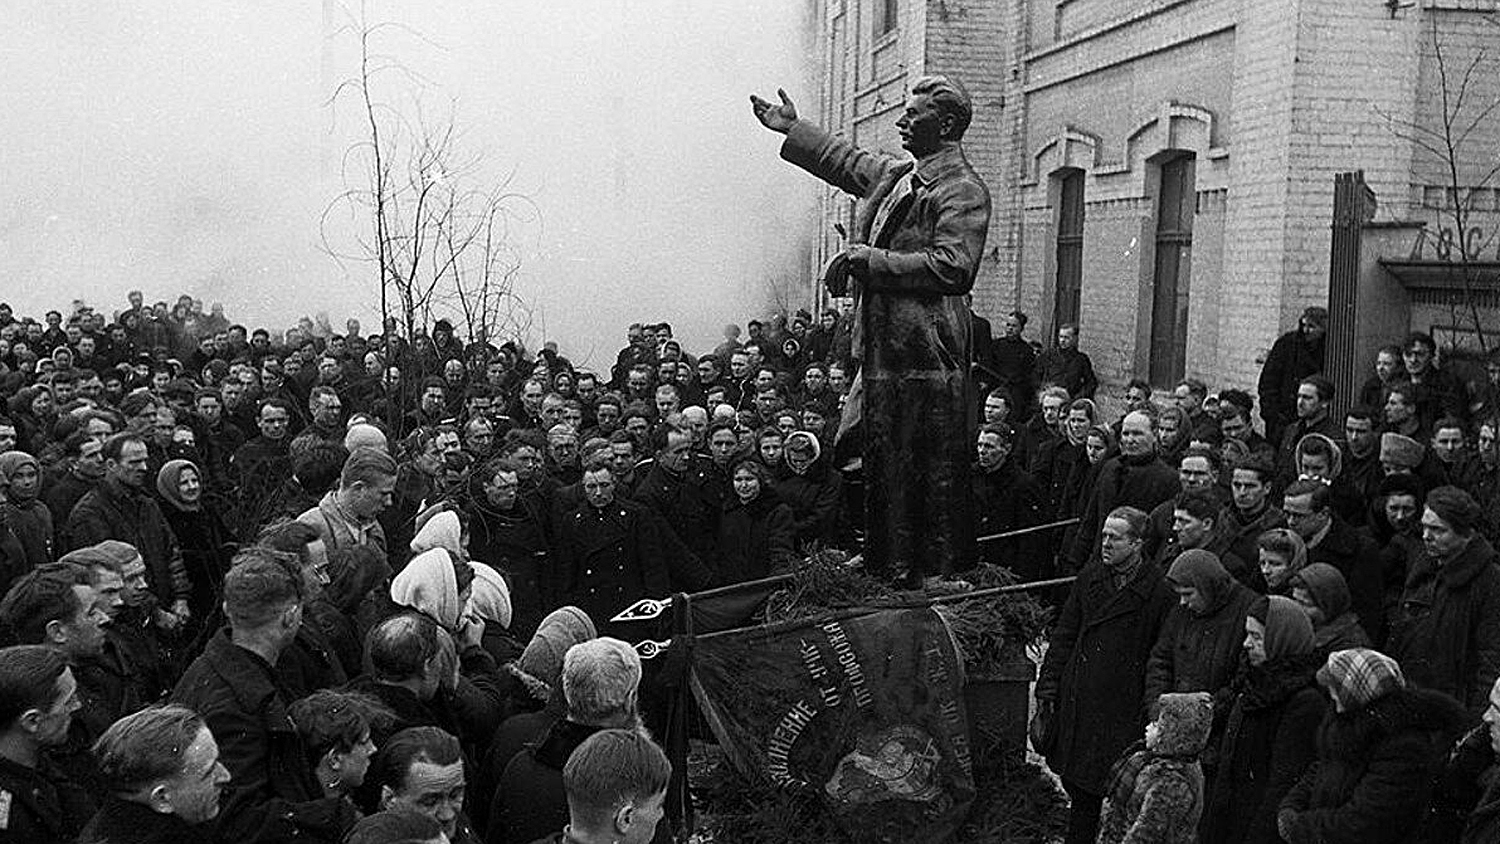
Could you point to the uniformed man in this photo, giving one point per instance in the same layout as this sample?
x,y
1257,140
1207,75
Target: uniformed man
x,y
38,696
611,551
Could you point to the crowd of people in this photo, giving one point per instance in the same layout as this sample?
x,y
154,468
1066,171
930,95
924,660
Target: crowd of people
x,y
334,586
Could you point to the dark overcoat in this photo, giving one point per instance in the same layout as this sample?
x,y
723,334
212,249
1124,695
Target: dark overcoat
x,y
1095,670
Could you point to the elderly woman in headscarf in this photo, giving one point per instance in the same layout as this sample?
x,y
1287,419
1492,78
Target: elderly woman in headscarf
x,y
25,514
811,487
1274,708
207,545
1323,594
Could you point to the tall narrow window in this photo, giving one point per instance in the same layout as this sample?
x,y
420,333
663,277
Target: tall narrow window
x,y
885,20
1175,205
1069,295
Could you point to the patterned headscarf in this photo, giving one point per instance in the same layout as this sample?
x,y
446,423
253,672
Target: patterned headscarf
x,y
1357,677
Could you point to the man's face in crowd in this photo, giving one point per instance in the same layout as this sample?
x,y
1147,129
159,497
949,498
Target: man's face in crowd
x,y
708,373
1235,426
273,422
1418,356
368,500
1360,434
330,409
638,426
130,469
194,792
666,402
433,790
1052,407
1191,531
815,380
1302,516
991,451
1186,399
529,460
1397,410
572,417
1067,338
996,409
674,458
7,438
637,381
1136,437
599,488
501,490
1439,538
109,591
433,399
90,460
607,414
739,365
479,436
1386,366
1012,326
1248,489
622,458
1448,444
588,388
723,445
1195,473
1309,403
767,403
85,631
770,450
54,720
1136,397
1487,443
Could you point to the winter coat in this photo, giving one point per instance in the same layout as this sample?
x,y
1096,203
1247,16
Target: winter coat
x,y
1373,776
514,542
115,511
32,524
1268,741
608,558
1292,358
42,805
530,802
1447,634
1199,652
1358,558
1068,368
814,498
1140,482
202,536
125,822
755,538
1094,672
1466,795
1238,537
1007,499
1155,794
689,503
271,794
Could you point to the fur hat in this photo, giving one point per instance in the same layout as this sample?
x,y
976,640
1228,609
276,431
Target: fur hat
x,y
1400,450
1183,722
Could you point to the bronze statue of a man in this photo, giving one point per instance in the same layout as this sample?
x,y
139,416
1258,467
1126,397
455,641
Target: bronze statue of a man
x,y
911,263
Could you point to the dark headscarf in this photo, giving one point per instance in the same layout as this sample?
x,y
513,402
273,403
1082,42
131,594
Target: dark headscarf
x,y
10,463
1202,570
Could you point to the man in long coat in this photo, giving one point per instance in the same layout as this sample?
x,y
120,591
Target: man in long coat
x,y
913,257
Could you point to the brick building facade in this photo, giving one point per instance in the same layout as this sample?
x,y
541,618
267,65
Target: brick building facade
x,y
1163,169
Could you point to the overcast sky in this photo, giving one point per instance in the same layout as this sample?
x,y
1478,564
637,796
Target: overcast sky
x,y
188,146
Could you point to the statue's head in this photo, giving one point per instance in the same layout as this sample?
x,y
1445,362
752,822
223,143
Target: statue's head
x,y
954,108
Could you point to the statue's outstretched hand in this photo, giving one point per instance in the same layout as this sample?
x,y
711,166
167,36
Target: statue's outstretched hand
x,y
777,118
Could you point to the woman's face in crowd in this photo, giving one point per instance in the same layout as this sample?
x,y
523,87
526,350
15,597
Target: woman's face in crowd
x,y
189,486
1095,448
1078,424
1276,568
746,485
